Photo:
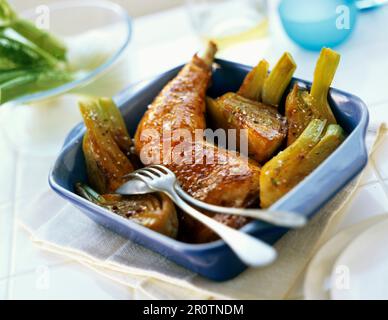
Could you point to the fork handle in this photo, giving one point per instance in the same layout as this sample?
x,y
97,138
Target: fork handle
x,y
279,218
253,252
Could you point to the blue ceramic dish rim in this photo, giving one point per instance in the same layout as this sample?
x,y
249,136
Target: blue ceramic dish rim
x,y
97,72
77,132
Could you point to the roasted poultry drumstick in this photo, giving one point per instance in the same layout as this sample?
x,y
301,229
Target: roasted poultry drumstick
x,y
208,173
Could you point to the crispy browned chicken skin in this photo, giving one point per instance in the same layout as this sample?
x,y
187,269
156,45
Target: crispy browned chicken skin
x,y
229,180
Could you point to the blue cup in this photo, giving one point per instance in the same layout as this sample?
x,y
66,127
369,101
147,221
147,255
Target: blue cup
x,y
314,24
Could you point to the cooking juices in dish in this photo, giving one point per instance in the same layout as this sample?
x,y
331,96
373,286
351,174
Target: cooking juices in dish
x,y
289,146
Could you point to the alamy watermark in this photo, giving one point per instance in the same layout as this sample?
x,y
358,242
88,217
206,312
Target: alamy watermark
x,y
199,146
42,21
42,281
343,17
341,280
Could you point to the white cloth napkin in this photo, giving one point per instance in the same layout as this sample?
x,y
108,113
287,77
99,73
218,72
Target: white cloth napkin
x,y
57,226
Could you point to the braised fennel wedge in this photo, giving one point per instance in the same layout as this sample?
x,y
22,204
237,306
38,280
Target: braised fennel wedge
x,y
255,107
266,127
31,59
106,144
107,151
303,106
260,86
154,210
293,164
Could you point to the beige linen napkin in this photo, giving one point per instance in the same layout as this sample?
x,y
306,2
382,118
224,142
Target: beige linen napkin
x,y
59,227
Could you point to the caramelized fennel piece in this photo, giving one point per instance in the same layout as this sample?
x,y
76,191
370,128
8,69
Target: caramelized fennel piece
x,y
288,168
302,106
269,89
298,113
265,126
332,138
278,80
325,69
297,161
106,144
253,83
230,180
154,211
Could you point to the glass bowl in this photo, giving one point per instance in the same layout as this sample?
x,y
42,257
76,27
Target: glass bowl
x,y
84,26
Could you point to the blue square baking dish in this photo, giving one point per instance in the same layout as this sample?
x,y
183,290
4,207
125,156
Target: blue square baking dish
x,y
215,260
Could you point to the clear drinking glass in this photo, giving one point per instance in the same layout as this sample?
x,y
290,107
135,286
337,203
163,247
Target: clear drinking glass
x,y
229,21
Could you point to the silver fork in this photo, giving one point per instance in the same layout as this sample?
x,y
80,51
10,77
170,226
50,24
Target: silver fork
x,y
279,218
251,251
